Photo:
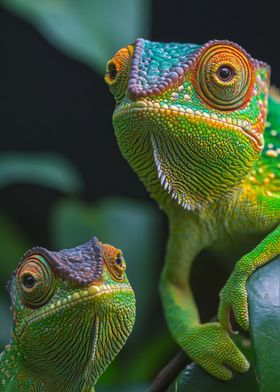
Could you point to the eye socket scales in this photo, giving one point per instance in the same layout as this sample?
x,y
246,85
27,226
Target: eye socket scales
x,y
115,262
35,281
117,71
224,75
112,70
116,266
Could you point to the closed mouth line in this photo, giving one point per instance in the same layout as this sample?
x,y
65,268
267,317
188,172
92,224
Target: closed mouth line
x,y
242,125
89,293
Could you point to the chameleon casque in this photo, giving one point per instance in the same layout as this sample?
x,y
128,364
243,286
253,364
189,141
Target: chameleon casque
x,y
191,120
73,311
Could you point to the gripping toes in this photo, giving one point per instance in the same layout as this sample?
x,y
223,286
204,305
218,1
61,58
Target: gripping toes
x,y
233,297
211,347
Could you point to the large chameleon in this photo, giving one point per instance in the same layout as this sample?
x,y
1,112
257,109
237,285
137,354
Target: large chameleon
x,y
191,120
73,311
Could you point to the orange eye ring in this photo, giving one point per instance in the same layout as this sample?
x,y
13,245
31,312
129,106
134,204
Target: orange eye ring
x,y
119,267
112,71
115,262
117,72
224,77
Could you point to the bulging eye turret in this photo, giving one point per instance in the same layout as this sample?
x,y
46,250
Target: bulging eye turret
x,y
224,76
115,262
117,72
35,281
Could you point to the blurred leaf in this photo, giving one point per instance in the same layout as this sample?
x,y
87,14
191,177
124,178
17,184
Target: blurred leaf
x,y
194,379
146,361
13,243
263,290
88,30
44,169
132,226
5,323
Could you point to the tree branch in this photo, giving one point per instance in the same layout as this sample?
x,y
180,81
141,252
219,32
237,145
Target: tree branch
x,y
169,372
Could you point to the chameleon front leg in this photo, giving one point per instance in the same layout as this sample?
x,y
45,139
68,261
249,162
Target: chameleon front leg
x,y
234,295
208,344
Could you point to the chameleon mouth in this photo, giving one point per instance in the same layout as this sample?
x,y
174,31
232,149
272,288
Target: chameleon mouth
x,y
243,126
86,294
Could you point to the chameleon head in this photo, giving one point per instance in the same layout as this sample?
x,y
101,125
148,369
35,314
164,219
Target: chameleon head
x,y
189,118
73,311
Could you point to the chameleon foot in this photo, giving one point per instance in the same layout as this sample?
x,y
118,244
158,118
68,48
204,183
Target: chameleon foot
x,y
210,346
234,297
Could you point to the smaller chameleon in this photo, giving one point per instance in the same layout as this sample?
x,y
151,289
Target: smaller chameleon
x,y
73,311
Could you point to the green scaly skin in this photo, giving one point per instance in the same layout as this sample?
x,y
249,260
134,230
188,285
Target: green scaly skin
x,y
190,120
68,326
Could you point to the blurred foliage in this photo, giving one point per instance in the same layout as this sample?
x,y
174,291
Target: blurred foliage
x,y
85,29
50,170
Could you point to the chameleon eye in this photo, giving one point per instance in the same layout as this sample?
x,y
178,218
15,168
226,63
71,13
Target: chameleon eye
x,y
28,281
225,73
35,281
117,72
118,267
112,71
224,76
115,262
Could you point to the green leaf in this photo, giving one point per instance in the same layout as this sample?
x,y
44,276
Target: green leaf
x,y
264,355
88,30
194,379
131,226
152,354
264,307
6,323
13,243
44,169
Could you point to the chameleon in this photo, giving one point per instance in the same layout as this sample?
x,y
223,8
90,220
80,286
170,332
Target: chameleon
x,y
73,311
200,126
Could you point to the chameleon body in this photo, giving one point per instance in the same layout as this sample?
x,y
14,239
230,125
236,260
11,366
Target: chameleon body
x,y
191,120
73,311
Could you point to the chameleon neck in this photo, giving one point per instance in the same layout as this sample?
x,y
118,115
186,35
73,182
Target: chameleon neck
x,y
17,375
14,375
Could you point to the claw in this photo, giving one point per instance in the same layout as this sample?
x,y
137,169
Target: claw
x,y
233,300
224,317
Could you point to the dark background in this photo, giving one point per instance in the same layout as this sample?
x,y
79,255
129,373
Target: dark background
x,y
51,102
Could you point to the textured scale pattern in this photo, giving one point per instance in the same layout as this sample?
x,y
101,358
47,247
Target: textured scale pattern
x,y
82,264
200,129
155,67
71,318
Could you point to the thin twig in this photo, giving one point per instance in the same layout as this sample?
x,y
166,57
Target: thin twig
x,y
169,372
